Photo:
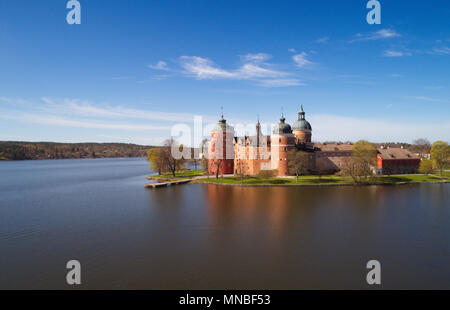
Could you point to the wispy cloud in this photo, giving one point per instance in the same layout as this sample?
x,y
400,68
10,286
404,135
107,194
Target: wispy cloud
x,y
83,108
424,98
322,40
301,60
394,53
254,67
258,58
280,83
203,68
66,122
160,65
434,87
441,50
377,35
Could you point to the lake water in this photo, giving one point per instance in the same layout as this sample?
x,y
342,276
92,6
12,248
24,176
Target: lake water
x,y
213,237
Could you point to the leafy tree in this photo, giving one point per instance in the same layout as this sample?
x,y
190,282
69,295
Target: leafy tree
x,y
359,167
297,163
426,166
440,154
155,156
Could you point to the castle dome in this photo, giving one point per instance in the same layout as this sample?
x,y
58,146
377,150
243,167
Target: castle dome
x,y
222,126
282,127
301,124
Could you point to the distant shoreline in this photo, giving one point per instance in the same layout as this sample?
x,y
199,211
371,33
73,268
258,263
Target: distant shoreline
x,y
86,158
19,150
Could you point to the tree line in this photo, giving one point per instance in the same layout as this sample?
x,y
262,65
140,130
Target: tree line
x,y
48,150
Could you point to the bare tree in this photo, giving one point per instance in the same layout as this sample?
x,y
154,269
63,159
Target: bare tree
x,y
421,146
218,162
173,163
204,154
297,163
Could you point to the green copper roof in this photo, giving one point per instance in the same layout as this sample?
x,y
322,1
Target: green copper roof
x,y
222,126
282,127
301,124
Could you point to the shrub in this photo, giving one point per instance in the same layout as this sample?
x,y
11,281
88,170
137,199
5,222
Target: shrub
x,y
267,173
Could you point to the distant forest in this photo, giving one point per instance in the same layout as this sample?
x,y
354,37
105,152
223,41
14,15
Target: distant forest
x,y
50,150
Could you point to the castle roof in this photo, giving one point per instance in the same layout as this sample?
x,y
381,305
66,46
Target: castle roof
x,y
282,127
396,153
222,126
301,124
333,147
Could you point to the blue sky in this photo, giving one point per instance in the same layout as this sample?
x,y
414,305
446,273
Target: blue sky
x,y
133,69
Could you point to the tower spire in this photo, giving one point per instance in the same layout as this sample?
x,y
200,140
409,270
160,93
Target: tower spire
x,y
301,114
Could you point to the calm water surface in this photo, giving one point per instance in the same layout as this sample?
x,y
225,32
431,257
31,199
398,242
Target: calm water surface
x,y
213,237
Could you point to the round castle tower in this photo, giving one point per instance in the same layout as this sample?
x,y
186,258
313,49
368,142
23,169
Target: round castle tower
x,y
221,150
282,140
302,129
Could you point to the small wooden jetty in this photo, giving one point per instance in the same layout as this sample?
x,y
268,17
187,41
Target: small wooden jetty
x,y
167,183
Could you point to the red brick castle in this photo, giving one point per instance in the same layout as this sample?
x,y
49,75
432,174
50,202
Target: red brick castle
x,y
249,155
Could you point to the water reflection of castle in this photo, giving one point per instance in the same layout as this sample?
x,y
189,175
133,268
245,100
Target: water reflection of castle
x,y
251,154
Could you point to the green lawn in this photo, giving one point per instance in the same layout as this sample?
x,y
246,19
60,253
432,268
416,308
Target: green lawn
x,y
445,174
313,180
184,174
405,178
279,181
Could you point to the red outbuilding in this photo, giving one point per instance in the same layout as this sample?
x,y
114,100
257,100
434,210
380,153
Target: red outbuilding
x,y
396,161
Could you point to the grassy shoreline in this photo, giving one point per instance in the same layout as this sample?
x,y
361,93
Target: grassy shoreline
x,y
323,181
200,177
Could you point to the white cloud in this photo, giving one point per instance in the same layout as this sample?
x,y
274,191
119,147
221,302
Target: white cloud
x,y
259,57
424,98
392,53
66,122
254,68
160,65
77,107
441,50
251,71
280,82
301,60
292,50
377,35
322,40
434,87
203,68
